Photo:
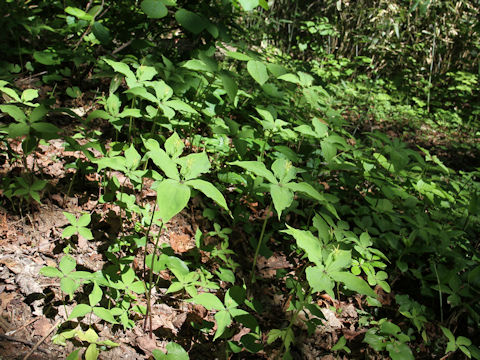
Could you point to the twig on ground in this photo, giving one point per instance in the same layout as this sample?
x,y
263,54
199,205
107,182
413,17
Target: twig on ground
x,y
22,327
42,340
25,342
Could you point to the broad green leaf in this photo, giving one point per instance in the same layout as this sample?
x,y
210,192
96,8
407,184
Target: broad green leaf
x,y
69,231
329,150
121,68
13,111
258,71
308,243
399,351
172,197
78,13
142,93
68,285
47,58
191,21
180,105
306,189
74,355
223,319
209,190
162,90
101,32
92,352
319,280
284,170
238,56
341,260
10,92
258,168
104,314
85,233
194,165
353,283
79,310
29,95
96,295
84,220
154,9
274,334
209,301
290,78
146,73
45,129
17,130
132,157
174,352
174,146
229,84
50,271
248,5
161,159
282,197
375,341
67,264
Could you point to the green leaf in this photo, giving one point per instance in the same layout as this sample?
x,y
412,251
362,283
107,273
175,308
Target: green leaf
x,y
104,314
191,21
238,56
29,95
282,197
274,334
69,231
172,197
79,310
74,355
78,13
14,111
284,170
209,301
101,33
376,342
50,271
306,189
142,93
319,280
180,105
399,351
132,157
85,233
92,352
223,319
209,190
174,352
308,243
96,295
84,220
17,130
258,168
47,58
154,9
290,78
174,146
248,5
67,264
121,68
161,159
194,165
258,71
353,283
68,285
229,84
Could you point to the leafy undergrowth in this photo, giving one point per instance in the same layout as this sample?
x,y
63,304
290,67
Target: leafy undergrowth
x,y
227,204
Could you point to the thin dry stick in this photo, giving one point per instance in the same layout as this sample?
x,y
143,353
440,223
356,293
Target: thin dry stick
x,y
42,340
23,326
21,341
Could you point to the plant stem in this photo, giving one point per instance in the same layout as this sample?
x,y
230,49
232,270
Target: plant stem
x,y
259,244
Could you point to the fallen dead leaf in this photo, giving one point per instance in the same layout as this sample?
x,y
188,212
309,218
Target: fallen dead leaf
x,y
181,243
145,343
42,327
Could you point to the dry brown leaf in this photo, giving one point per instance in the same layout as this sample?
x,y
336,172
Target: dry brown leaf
x,y
181,243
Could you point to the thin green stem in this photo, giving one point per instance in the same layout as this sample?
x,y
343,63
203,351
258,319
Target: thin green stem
x,y
259,244
439,292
